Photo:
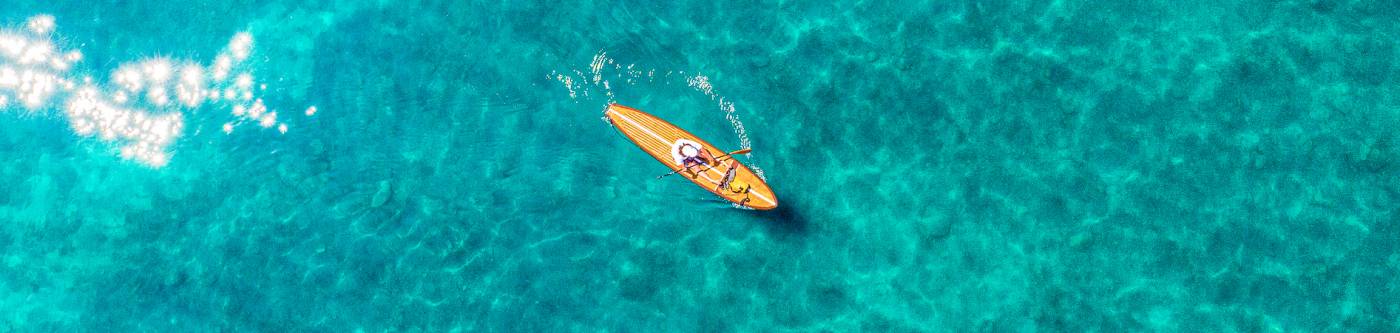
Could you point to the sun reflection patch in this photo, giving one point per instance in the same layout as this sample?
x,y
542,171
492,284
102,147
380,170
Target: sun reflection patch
x,y
142,110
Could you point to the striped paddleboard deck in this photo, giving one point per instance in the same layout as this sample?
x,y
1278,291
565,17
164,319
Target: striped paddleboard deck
x,y
660,139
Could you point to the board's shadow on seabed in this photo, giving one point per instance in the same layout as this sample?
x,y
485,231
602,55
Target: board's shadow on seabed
x,y
785,220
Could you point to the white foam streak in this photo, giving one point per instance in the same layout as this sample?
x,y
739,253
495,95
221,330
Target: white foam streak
x,y
603,68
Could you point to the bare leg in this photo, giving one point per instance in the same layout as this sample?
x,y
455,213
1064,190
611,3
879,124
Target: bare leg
x,y
687,167
709,158
721,185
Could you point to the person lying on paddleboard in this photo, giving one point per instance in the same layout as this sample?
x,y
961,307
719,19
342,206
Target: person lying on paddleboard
x,y
693,156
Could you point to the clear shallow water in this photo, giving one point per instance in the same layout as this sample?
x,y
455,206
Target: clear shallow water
x,y
941,166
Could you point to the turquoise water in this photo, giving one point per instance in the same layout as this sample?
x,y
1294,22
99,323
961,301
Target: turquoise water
x,y
941,166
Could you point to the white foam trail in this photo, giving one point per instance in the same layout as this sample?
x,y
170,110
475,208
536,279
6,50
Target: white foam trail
x,y
136,110
702,84
602,67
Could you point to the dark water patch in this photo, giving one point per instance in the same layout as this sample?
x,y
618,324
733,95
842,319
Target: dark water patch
x,y
784,221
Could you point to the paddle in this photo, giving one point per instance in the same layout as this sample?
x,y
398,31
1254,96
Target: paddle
x,y
712,165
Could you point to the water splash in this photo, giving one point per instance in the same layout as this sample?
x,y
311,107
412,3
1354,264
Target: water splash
x,y
136,111
702,84
603,69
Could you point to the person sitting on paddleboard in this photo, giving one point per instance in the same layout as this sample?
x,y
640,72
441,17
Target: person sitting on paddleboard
x,y
694,156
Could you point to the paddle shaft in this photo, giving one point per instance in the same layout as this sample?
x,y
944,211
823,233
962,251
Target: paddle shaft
x,y
712,165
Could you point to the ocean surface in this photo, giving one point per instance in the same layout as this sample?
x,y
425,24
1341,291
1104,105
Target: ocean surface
x,y
941,166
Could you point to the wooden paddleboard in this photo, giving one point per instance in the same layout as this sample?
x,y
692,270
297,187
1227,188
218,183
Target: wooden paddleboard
x,y
661,139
